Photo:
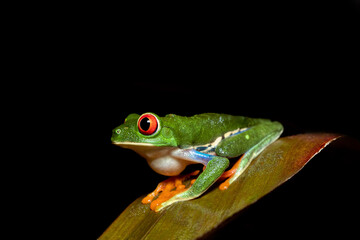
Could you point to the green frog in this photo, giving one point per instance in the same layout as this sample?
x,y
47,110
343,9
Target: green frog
x,y
172,142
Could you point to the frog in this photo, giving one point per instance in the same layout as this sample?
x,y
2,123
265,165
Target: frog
x,y
172,142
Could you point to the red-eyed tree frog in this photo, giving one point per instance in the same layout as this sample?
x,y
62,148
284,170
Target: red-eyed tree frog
x,y
172,142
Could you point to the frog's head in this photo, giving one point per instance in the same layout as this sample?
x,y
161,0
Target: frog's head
x,y
145,130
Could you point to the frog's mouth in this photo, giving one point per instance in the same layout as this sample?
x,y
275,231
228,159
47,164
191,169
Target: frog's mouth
x,y
142,148
137,147
124,144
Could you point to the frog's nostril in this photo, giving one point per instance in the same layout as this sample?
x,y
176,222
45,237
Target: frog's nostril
x,y
118,131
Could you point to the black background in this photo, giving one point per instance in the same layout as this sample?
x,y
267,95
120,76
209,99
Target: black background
x,y
321,197
296,63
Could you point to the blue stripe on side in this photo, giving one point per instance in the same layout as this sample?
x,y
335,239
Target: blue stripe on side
x,y
199,156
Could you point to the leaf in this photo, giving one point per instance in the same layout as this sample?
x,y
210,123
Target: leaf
x,y
192,219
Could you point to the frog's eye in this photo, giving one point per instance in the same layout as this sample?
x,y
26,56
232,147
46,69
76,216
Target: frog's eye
x,y
148,124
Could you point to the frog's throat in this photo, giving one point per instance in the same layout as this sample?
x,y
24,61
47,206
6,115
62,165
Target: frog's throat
x,y
160,158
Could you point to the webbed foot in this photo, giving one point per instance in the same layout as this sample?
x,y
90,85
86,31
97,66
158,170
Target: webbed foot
x,y
168,189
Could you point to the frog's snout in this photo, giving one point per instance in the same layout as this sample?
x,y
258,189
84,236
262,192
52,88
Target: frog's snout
x,y
115,133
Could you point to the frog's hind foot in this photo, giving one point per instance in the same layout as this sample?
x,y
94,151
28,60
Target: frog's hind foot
x,y
167,189
228,175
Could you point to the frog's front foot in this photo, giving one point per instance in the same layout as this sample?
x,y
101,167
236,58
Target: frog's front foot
x,y
169,191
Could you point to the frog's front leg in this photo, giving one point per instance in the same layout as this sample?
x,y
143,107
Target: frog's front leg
x,y
215,167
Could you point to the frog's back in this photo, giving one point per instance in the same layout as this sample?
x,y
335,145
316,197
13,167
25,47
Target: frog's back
x,y
204,128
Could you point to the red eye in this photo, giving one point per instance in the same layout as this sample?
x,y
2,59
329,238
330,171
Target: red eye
x,y
148,124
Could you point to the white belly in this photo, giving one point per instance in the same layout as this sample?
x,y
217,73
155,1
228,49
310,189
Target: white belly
x,y
160,159
167,165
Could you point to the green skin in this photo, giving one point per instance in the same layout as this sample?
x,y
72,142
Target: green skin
x,y
175,145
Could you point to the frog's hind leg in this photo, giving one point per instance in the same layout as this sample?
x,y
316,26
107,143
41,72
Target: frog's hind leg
x,y
255,144
228,174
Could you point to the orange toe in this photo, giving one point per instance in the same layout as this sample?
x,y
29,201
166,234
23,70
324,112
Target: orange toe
x,y
228,174
167,189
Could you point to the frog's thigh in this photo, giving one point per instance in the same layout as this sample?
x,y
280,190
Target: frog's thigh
x,y
254,144
238,144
